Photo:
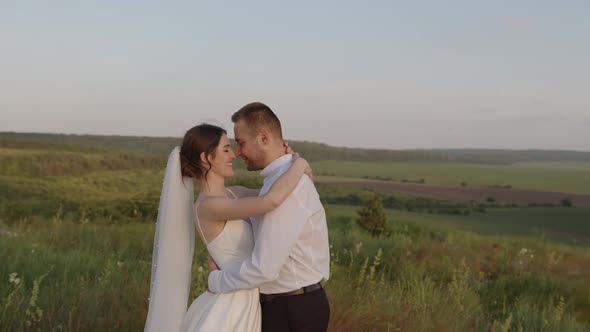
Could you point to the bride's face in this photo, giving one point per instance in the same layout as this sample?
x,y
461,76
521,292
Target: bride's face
x,y
222,163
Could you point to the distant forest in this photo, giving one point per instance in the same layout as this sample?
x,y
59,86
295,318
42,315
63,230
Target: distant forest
x,y
161,146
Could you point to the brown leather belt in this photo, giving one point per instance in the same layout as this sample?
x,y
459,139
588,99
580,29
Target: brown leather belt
x,y
299,291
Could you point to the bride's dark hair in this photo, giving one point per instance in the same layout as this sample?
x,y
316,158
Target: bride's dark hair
x,y
201,138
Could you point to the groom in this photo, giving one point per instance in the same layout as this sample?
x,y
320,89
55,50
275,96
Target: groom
x,y
291,252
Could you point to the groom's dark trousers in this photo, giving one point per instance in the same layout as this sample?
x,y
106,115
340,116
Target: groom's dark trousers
x,y
307,312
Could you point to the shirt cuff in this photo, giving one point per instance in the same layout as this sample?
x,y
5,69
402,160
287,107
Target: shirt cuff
x,y
214,281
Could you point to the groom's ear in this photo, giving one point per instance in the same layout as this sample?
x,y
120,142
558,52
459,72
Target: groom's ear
x,y
264,135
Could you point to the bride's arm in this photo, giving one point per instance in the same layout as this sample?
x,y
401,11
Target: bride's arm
x,y
221,208
241,191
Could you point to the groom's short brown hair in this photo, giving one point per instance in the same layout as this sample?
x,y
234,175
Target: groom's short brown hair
x,y
258,115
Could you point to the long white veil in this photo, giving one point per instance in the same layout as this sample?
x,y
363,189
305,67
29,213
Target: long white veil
x,y
173,250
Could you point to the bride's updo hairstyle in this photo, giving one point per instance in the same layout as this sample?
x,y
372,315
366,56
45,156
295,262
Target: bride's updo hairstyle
x,y
201,138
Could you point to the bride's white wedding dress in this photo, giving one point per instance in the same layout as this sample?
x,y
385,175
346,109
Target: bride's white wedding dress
x,y
172,260
235,311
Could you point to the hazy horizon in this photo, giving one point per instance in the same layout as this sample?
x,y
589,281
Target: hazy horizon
x,y
425,75
230,135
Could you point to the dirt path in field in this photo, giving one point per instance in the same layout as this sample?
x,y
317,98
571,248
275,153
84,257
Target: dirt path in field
x,y
480,194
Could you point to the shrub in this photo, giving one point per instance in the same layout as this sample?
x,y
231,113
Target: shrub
x,y
567,202
372,216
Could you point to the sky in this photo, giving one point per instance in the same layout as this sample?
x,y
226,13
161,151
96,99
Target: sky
x,y
371,74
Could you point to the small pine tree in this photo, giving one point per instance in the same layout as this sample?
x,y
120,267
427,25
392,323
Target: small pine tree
x,y
372,217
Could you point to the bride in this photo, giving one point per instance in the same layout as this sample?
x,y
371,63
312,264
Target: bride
x,y
221,216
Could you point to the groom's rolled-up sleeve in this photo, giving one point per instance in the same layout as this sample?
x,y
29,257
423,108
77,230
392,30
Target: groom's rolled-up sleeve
x,y
278,232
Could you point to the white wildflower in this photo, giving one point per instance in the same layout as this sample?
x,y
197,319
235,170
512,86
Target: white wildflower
x,y
14,279
358,246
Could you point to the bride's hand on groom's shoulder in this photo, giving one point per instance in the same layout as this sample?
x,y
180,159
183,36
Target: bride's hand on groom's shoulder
x,y
288,149
304,163
309,172
297,158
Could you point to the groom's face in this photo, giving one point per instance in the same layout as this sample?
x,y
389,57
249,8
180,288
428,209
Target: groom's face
x,y
247,146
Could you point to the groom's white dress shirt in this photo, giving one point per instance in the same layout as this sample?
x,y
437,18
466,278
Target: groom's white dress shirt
x,y
291,247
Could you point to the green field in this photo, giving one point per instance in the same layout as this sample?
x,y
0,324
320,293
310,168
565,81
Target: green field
x,y
77,225
564,176
565,225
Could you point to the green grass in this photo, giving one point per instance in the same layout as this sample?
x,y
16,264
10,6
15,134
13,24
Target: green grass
x,y
89,277
107,195
566,176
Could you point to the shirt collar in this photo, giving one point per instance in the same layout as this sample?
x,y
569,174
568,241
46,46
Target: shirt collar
x,y
276,164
